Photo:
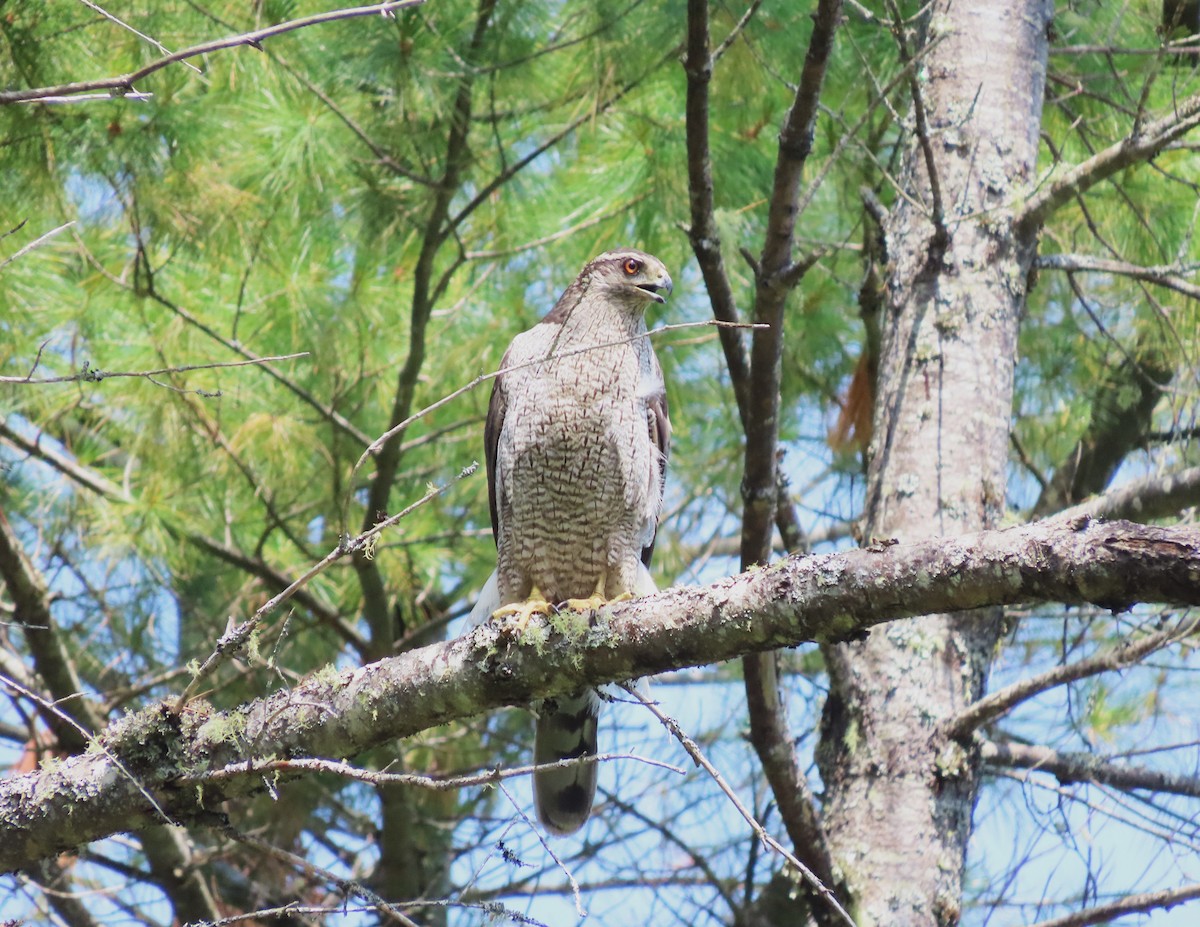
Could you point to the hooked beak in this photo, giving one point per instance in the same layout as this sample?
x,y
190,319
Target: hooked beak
x,y
661,286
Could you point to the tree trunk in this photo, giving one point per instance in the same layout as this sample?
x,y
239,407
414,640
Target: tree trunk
x,y
899,795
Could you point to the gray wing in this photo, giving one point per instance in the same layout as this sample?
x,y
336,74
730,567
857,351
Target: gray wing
x,y
660,436
497,407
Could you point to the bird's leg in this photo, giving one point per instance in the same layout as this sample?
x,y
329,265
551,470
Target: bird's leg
x,y
535,604
596,599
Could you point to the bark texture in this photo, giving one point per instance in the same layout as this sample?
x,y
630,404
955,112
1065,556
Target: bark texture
x,y
898,796
157,766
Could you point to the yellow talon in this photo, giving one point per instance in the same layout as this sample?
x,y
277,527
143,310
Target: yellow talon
x,y
585,605
536,604
596,599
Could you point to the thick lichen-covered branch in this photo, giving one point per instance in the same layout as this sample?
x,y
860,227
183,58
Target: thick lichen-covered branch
x,y
155,765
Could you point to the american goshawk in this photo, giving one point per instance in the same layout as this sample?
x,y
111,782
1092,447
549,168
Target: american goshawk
x,y
577,438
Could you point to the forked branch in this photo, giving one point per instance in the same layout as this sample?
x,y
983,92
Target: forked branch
x,y
124,82
824,599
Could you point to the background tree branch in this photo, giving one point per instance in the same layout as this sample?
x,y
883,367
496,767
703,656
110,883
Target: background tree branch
x,y
1066,184
1069,767
825,598
254,39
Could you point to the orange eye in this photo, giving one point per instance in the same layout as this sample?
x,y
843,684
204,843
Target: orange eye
x,y
632,266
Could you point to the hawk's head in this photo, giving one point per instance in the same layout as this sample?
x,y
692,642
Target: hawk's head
x,y
630,276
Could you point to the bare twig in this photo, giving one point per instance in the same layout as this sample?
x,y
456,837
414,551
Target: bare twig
x,y
373,447
65,907
602,106
1065,185
579,908
293,910
68,713
1169,276
1130,904
300,77
1083,767
992,706
82,97
654,820
236,635
348,887
937,209
850,135
141,35
693,750
13,231
432,783
35,243
81,476
89,374
621,209
736,31
381,153
124,83
326,411
95,482
1139,51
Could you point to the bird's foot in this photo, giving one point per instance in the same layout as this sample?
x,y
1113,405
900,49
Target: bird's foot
x,y
536,604
591,603
594,601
